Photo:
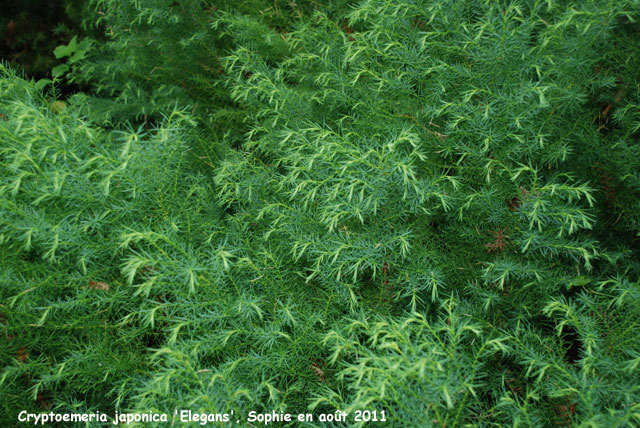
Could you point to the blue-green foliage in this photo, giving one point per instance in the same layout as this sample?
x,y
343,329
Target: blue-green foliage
x,y
427,208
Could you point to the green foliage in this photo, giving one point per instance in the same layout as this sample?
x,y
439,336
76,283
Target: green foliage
x,y
75,50
427,208
158,53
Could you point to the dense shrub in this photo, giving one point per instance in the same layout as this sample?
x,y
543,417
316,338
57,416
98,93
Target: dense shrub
x,y
445,149
427,208
158,53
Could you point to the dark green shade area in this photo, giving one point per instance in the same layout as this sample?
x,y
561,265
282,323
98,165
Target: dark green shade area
x,y
31,29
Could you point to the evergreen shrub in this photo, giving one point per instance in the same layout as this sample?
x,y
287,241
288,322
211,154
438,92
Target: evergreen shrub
x,y
427,208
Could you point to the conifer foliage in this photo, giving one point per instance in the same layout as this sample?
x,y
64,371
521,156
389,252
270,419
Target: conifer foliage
x,y
423,207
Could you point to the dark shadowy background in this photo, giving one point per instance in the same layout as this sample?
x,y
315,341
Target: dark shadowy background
x,y
31,29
